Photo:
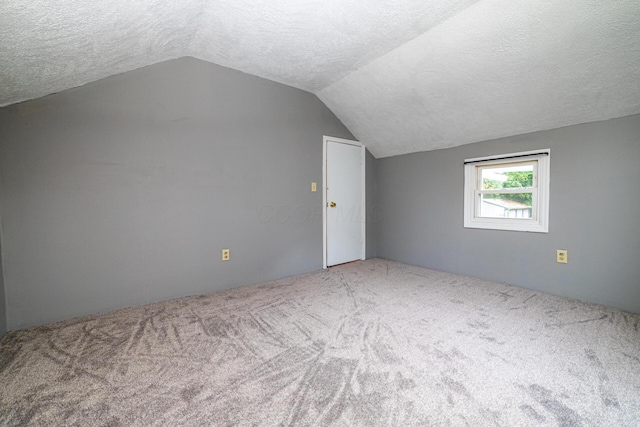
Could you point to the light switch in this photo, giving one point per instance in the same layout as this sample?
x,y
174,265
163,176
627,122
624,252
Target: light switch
x,y
314,188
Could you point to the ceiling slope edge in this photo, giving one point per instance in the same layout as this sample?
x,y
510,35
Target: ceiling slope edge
x,y
498,69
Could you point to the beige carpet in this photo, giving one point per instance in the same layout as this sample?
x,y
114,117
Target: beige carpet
x,y
372,343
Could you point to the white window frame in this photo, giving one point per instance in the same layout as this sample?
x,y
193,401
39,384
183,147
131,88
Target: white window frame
x,y
539,221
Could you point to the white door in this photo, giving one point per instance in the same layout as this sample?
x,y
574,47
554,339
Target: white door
x,y
344,202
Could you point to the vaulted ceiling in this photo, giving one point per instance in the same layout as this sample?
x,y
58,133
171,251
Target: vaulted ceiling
x,y
402,75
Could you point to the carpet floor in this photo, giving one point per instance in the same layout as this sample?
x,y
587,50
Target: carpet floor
x,y
372,343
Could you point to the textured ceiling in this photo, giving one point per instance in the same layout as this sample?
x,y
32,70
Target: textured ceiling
x,y
498,68
403,75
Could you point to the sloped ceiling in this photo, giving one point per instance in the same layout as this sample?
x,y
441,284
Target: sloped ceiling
x,y
402,75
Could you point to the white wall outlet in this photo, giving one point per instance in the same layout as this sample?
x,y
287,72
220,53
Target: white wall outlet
x,y
226,255
562,256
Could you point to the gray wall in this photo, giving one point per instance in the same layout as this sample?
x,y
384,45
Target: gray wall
x,y
3,307
124,191
594,214
371,201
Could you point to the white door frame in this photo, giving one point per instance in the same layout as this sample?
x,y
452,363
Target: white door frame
x,y
363,205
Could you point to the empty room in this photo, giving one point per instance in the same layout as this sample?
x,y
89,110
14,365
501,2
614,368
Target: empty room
x,y
320,213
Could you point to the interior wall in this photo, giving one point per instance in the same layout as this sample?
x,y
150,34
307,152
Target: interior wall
x,y
126,190
594,208
371,205
3,305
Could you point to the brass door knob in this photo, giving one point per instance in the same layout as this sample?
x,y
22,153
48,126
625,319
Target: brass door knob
x,y
332,204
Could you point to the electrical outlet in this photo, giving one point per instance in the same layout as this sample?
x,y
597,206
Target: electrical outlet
x,y
562,256
314,188
225,255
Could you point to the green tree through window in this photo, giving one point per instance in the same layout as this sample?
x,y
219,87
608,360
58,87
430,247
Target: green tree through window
x,y
523,179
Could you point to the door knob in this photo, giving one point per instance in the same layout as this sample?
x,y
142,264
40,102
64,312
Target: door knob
x,y
332,204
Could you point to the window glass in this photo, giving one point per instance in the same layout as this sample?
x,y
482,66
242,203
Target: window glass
x,y
507,204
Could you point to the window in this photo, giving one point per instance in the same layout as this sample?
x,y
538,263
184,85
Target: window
x,y
508,192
